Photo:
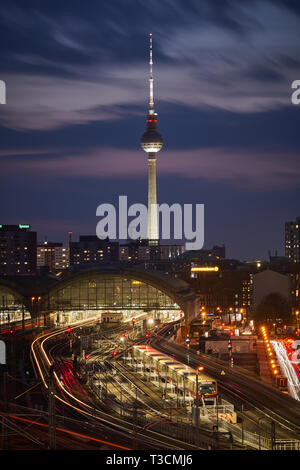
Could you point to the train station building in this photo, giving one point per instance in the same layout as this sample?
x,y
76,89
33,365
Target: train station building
x,y
122,293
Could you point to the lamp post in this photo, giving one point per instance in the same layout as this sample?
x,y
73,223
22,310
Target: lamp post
x,y
32,307
297,318
242,423
123,340
199,369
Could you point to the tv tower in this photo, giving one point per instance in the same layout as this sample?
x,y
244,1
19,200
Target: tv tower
x,y
152,142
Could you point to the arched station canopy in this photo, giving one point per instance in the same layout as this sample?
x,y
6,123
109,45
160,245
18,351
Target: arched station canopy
x,y
120,289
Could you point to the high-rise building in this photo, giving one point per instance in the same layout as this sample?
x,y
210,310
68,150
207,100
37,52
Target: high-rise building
x,y
17,250
54,255
292,240
152,142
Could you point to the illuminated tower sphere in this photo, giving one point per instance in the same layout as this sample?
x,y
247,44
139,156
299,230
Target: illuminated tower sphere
x,y
152,142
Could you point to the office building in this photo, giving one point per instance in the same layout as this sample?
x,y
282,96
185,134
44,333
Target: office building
x,y
292,240
53,255
17,250
90,250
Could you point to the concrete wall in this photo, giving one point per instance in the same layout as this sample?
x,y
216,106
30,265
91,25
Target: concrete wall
x,y
239,345
267,282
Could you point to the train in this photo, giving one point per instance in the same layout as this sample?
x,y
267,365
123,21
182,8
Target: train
x,y
163,370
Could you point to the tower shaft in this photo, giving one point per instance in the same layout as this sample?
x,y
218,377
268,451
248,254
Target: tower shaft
x,y
152,199
152,142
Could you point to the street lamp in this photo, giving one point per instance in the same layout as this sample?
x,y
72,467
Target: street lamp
x,y
297,317
123,340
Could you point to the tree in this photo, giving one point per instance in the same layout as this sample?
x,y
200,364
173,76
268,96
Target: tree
x,y
273,307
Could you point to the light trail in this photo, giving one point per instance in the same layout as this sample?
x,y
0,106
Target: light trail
x,y
287,368
164,345
83,407
72,433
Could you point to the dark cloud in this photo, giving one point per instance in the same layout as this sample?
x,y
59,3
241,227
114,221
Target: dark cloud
x,y
264,74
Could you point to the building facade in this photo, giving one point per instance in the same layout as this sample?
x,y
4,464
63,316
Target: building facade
x,y
90,250
17,250
269,282
144,250
292,240
53,255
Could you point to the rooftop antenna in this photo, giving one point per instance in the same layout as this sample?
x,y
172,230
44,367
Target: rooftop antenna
x,y
151,101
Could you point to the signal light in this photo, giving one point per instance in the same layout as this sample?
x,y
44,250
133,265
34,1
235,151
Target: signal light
x,y
11,331
69,329
87,356
147,334
115,353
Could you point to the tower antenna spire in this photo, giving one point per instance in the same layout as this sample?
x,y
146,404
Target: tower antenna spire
x,y
151,100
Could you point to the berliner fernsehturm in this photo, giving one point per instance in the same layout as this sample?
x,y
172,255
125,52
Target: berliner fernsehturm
x,y
152,142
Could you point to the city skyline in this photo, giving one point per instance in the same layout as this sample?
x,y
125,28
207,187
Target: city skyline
x,y
150,305
230,131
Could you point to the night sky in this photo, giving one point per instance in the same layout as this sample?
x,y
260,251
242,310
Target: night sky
x,y
77,96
